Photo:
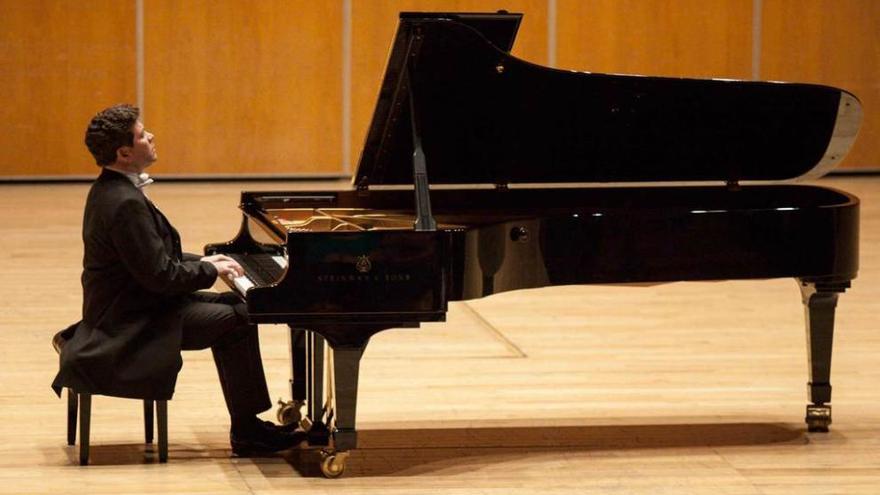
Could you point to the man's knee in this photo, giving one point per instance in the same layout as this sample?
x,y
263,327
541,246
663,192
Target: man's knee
x,y
240,310
241,331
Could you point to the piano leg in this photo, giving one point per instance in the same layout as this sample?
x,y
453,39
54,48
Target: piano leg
x,y
346,367
290,412
820,301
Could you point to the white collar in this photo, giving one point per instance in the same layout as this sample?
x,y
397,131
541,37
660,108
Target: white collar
x,y
139,180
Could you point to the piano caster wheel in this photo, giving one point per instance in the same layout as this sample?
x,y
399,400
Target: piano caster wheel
x,y
818,418
333,464
290,412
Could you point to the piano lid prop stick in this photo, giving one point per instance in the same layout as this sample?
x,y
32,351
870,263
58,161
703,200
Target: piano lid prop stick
x,y
424,218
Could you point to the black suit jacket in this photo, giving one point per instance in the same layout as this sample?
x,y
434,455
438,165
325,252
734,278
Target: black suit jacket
x,y
134,279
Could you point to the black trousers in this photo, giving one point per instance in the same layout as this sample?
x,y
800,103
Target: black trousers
x,y
219,321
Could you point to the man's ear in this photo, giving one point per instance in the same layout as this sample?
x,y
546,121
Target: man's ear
x,y
123,153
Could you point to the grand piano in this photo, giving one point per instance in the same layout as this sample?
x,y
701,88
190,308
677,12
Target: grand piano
x,y
483,173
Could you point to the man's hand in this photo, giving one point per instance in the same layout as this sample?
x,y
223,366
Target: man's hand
x,y
216,257
226,267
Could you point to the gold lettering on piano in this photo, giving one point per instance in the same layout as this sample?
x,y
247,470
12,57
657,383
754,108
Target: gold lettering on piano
x,y
361,278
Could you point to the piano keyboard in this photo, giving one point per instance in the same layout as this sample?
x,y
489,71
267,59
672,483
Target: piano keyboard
x,y
259,270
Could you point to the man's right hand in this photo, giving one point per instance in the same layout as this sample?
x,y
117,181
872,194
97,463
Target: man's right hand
x,y
226,267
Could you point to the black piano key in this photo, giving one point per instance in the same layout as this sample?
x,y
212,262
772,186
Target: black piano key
x,y
260,267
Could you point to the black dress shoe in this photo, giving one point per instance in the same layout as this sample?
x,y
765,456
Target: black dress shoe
x,y
291,428
262,437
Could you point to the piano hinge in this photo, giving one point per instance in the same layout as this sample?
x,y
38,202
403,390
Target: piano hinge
x,y
363,188
502,187
733,185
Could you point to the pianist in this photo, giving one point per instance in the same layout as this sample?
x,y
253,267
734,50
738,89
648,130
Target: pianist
x,y
140,305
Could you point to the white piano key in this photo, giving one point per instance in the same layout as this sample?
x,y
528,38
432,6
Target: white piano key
x,y
242,283
281,260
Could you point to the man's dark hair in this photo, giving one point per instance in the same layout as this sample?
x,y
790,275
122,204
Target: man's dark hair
x,y
110,130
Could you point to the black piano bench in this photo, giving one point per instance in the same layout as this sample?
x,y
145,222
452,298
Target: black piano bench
x,y
83,402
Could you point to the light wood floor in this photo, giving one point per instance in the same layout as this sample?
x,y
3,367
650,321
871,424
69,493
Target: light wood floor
x,y
680,388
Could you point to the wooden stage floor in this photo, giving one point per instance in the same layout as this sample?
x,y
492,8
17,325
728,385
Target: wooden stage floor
x,y
680,388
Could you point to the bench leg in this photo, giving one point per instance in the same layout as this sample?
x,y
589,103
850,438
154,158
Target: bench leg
x,y
85,417
148,421
162,417
71,416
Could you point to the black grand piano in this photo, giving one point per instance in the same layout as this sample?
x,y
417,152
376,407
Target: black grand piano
x,y
483,173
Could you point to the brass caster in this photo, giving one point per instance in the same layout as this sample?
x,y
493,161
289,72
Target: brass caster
x,y
818,418
290,412
333,464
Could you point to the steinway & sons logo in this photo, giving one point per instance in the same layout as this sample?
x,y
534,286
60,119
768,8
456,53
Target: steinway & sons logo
x,y
363,266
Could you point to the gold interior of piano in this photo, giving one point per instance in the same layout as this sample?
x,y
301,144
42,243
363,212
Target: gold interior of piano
x,y
340,219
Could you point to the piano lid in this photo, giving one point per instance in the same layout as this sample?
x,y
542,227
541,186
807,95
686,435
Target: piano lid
x,y
486,117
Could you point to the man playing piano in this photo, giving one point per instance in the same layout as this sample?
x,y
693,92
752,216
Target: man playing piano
x,y
140,301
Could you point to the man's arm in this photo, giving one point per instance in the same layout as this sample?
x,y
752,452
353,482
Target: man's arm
x,y
191,257
141,250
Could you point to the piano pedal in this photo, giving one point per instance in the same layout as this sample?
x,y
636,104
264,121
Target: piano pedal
x,y
818,418
329,415
290,412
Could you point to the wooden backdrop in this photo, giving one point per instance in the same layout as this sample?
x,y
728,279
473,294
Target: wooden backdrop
x,y
288,86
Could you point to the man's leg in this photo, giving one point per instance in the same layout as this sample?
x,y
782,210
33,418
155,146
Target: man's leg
x,y
214,320
219,321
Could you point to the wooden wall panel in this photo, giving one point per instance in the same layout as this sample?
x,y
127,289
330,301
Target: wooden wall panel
x,y
834,42
690,38
374,23
238,87
60,62
244,87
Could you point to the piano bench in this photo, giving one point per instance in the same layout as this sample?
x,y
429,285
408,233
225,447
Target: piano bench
x,y
83,402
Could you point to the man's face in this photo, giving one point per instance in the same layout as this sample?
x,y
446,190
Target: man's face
x,y
142,153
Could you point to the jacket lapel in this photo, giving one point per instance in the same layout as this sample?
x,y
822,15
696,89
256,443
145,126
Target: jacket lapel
x,y
169,234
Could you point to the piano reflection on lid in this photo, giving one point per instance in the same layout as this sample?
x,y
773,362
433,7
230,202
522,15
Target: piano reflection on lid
x,y
543,177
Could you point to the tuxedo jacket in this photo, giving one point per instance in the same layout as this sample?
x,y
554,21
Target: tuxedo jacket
x,y
134,280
